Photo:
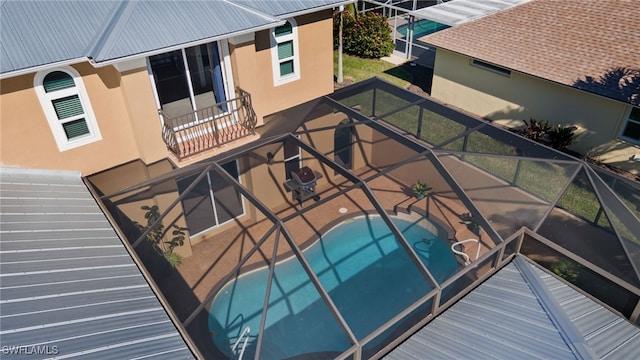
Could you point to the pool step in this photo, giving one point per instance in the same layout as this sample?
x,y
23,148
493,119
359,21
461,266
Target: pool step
x,y
411,205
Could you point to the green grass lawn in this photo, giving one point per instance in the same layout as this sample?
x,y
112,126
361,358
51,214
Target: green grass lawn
x,y
357,69
578,200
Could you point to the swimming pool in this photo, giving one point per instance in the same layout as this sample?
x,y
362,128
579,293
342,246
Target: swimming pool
x,y
360,264
421,28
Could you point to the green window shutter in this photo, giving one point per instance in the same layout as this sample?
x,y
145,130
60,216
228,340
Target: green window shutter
x,y
283,30
285,50
286,68
57,80
68,107
75,128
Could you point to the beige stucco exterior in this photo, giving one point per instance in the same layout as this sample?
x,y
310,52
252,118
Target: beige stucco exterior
x,y
508,100
252,66
125,107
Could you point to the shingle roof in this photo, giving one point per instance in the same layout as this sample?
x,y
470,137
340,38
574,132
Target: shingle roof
x,y
525,313
574,43
38,33
68,285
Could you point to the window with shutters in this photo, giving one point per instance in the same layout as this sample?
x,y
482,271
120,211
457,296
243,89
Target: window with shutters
x,y
67,108
284,53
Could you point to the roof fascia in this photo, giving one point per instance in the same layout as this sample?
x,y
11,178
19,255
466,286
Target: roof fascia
x,y
34,69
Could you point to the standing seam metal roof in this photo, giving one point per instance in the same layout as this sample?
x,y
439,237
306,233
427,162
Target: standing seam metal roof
x,y
523,312
38,33
68,285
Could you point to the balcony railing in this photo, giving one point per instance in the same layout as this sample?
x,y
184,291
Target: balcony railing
x,y
210,127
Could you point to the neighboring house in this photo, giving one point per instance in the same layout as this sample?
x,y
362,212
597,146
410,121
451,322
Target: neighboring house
x,y
88,85
568,62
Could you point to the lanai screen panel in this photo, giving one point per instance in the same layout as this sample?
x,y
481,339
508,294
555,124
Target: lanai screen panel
x,y
580,212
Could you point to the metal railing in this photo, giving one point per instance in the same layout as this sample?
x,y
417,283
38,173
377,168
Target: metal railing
x,y
210,127
243,336
464,255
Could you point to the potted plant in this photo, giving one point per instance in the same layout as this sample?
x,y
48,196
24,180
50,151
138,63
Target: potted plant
x,y
157,233
420,189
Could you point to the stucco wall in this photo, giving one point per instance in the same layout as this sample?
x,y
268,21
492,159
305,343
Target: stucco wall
x,y
253,66
27,140
126,111
510,100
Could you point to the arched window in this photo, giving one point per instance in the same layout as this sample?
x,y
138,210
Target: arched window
x,y
67,108
284,53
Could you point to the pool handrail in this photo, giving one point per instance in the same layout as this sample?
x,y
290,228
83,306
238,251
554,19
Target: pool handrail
x,y
244,335
466,258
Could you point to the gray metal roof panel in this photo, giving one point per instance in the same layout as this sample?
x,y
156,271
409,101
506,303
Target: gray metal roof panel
x,y
283,8
608,334
43,32
146,26
507,317
67,279
40,33
500,319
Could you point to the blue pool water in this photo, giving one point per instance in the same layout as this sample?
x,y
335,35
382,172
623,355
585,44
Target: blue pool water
x,y
421,28
366,273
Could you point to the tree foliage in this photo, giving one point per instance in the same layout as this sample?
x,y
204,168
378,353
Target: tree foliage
x,y
366,35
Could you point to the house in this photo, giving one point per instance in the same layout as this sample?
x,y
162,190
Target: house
x,y
249,218
89,85
567,62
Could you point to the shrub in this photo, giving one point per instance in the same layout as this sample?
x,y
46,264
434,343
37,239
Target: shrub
x,y
368,35
156,235
535,130
561,137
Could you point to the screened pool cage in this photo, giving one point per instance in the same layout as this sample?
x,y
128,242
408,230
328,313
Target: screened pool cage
x,y
258,277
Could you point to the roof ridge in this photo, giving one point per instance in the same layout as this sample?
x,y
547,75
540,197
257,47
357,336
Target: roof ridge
x,y
574,339
107,34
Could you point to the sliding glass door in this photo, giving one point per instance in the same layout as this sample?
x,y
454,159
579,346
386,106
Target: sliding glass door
x,y
189,79
212,202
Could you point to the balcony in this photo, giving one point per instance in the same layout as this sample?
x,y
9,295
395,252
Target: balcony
x,y
211,127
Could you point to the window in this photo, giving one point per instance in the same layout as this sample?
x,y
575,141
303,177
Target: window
x,y
189,80
213,201
284,53
631,130
493,68
67,108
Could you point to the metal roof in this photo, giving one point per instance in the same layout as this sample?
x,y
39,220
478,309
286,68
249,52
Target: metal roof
x,y
68,285
456,12
523,312
282,8
47,33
